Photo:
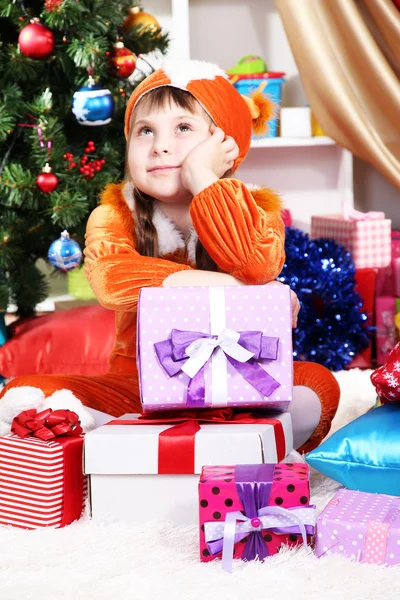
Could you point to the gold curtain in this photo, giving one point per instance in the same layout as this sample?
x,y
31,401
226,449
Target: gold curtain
x,y
348,56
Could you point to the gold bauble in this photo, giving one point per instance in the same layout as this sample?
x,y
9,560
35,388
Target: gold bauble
x,y
138,18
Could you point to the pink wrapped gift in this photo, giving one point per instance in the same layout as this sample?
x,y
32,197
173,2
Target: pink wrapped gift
x,y
211,347
249,511
386,333
366,236
364,527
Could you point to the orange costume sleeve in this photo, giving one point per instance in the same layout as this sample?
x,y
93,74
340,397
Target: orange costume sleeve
x,y
243,238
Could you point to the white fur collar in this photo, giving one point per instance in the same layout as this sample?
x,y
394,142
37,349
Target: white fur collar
x,y
170,239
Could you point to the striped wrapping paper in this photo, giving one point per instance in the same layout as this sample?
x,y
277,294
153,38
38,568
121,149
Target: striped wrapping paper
x,y
31,482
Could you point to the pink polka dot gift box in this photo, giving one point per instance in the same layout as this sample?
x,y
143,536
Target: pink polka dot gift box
x,y
364,527
251,511
202,347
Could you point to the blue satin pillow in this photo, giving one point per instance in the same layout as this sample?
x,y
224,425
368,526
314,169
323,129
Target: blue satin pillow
x,y
365,454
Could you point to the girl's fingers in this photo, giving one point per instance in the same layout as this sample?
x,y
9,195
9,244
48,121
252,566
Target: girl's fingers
x,y
232,155
218,134
229,144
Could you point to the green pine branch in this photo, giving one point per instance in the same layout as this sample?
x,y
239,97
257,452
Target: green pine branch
x,y
39,93
7,123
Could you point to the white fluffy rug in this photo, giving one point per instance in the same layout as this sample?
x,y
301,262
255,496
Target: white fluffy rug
x,y
103,562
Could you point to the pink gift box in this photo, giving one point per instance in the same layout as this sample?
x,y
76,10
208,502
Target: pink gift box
x,y
368,240
388,280
239,339
254,490
364,527
386,333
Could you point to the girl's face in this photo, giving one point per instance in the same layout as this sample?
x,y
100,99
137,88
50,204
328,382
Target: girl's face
x,y
159,142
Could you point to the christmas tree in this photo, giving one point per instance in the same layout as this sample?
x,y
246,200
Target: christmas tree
x,y
67,68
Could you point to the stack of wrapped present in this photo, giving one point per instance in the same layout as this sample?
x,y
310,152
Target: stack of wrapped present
x,y
374,249
216,379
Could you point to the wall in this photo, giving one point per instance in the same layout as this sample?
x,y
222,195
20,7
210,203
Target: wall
x,y
223,31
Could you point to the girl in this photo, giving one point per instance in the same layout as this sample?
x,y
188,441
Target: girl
x,y
181,220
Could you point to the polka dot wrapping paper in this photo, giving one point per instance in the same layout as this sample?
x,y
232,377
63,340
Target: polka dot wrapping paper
x,y
364,527
260,317
368,240
219,495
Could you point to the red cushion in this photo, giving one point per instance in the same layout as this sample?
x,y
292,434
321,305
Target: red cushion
x,y
77,341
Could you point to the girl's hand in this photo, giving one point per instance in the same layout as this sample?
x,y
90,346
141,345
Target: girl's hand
x,y
208,161
200,278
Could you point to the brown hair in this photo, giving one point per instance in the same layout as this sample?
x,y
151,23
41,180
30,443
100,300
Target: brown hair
x,y
145,232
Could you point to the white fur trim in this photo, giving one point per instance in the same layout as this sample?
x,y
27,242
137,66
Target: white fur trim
x,y
65,400
191,246
18,399
181,72
170,238
15,401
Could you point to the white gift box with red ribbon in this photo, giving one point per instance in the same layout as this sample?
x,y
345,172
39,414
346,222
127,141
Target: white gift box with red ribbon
x,y
367,236
136,475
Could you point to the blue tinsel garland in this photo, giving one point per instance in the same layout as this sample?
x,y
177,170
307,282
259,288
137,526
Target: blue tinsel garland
x,y
331,328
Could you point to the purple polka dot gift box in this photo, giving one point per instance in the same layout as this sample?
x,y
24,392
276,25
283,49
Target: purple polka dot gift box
x,y
215,346
364,527
251,511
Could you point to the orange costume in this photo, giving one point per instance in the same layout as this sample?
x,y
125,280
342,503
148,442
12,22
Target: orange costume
x,y
244,234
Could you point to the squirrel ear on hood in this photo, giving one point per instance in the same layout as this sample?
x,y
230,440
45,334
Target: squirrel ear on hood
x,y
262,109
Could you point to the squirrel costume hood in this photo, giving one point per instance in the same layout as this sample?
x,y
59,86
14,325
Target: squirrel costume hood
x,y
235,114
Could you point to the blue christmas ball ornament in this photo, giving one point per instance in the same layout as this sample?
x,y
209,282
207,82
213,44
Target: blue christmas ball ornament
x,y
93,105
65,254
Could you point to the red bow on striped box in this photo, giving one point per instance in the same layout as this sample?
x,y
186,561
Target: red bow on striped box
x,y
41,477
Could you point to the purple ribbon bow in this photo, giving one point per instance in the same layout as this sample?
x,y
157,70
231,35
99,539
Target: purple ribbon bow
x,y
172,356
254,485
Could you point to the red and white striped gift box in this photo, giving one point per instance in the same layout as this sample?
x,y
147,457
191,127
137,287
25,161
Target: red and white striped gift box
x,y
368,241
32,483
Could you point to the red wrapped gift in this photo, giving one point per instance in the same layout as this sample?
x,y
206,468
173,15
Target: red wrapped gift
x,y
386,379
41,475
365,286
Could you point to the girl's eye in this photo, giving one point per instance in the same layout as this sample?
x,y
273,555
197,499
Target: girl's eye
x,y
184,127
145,131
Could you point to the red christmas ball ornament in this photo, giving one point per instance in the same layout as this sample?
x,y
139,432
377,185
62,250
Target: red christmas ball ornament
x,y
36,41
123,61
47,181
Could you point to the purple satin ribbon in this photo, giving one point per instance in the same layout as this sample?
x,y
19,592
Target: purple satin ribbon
x,y
254,485
172,355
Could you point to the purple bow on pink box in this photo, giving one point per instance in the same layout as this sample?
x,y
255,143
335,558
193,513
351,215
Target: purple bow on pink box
x,y
254,486
188,351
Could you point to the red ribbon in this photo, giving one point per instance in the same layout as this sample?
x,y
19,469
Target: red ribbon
x,y
47,424
176,445
62,427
